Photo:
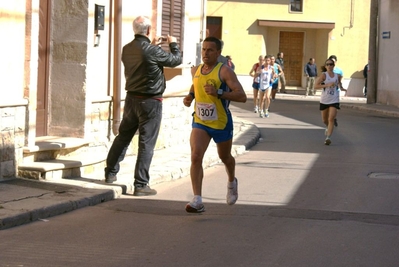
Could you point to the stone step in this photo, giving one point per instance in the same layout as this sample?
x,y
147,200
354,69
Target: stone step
x,y
55,157
46,143
63,167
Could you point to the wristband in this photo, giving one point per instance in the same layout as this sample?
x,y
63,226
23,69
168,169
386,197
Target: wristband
x,y
192,94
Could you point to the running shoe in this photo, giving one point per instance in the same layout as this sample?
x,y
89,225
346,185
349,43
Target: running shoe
x,y
267,113
256,109
327,142
195,207
232,193
144,191
110,178
261,114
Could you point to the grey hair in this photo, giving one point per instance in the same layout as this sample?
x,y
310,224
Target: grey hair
x,y
141,25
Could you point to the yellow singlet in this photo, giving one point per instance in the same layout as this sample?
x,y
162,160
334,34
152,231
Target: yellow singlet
x,y
209,110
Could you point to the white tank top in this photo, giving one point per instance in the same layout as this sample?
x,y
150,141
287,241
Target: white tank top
x,y
265,77
330,95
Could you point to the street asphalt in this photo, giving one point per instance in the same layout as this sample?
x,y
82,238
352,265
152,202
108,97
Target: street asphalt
x,y
23,201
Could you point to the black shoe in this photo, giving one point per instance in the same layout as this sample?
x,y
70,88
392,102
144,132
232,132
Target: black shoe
x,y
110,178
144,191
335,123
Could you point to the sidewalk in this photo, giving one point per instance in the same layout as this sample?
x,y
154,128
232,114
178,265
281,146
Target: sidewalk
x,y
23,201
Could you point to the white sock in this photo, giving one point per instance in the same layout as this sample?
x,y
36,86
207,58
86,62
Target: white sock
x,y
197,199
231,184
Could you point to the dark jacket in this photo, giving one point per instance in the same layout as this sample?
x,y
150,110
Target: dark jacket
x,y
144,64
280,61
365,70
310,70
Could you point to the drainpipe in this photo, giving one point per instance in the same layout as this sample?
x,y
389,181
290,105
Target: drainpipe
x,y
202,34
116,99
203,21
351,19
373,50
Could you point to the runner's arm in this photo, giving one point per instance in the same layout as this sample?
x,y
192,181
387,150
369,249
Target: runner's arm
x,y
236,93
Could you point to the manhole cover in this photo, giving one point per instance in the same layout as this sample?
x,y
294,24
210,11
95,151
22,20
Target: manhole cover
x,y
383,175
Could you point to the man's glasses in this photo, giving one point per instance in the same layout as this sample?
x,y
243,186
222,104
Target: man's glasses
x,y
330,64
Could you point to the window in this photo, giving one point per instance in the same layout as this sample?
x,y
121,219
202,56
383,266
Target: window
x,y
214,27
296,6
173,21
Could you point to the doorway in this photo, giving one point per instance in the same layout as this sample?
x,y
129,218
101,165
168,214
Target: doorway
x,y
214,27
43,67
291,44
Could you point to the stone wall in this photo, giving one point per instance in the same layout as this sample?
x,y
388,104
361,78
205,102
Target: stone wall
x,y
12,139
176,118
68,68
175,130
175,127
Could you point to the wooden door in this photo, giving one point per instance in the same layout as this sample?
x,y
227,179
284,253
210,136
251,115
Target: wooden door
x,y
214,27
42,79
291,44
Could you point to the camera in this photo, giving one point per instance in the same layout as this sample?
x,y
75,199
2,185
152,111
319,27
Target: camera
x,y
163,39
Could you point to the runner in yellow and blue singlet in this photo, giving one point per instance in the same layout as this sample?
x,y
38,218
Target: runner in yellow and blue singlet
x,y
214,86
211,113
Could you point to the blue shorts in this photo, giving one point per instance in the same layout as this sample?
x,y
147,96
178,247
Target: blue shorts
x,y
264,90
218,136
274,86
256,85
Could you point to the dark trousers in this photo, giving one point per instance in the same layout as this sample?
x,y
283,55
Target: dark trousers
x,y
140,114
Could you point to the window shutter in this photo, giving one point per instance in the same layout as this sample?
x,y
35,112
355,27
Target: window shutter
x,y
173,21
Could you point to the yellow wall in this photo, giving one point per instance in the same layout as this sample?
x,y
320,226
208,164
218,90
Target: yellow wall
x,y
12,50
245,40
97,67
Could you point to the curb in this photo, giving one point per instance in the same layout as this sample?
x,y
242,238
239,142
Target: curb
x,y
370,109
48,210
248,136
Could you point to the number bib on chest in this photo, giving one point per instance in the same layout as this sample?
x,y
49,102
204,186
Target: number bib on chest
x,y
331,91
206,111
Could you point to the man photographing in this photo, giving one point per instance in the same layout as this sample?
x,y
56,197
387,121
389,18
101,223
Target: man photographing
x,y
145,83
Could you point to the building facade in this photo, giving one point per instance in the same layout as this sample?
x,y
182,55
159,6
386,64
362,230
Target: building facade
x,y
387,53
61,71
301,29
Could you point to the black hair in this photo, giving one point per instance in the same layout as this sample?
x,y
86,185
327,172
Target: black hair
x,y
323,68
221,44
215,41
334,57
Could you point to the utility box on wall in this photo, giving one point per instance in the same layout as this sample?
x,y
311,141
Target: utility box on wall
x,y
99,17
